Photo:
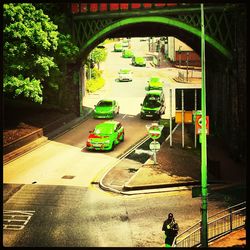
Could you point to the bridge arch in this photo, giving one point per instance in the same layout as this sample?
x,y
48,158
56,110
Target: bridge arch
x,y
105,32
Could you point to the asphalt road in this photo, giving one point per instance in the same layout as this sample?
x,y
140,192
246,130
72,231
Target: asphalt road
x,y
62,208
66,216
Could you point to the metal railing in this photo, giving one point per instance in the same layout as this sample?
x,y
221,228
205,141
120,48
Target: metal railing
x,y
219,224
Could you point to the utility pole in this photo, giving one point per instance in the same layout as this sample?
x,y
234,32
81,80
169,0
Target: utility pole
x,y
187,65
170,118
182,118
90,65
204,231
195,108
179,56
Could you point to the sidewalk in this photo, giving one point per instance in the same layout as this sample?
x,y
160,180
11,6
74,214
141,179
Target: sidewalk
x,y
50,131
235,239
176,167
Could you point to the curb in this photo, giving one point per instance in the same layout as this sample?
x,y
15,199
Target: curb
x,y
153,187
24,149
176,79
22,141
160,185
74,123
44,139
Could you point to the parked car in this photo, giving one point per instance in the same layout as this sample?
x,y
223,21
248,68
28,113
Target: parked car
x,y
125,75
155,83
153,105
105,136
125,42
127,53
138,61
118,47
106,109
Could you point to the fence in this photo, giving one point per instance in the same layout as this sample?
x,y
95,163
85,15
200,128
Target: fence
x,y
219,224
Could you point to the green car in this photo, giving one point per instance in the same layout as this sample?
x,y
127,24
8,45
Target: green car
x,y
153,105
138,61
105,136
106,109
118,47
155,83
127,53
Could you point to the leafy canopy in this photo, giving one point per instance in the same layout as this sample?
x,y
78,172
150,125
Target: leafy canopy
x,y
29,39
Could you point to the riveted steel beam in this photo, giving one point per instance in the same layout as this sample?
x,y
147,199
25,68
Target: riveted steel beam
x,y
220,23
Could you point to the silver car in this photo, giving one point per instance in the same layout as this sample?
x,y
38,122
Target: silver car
x,y
125,75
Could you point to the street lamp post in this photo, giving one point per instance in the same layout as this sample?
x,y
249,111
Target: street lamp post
x,y
204,231
166,47
90,65
187,65
179,56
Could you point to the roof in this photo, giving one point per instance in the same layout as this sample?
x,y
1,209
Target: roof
x,y
106,100
124,71
154,79
154,92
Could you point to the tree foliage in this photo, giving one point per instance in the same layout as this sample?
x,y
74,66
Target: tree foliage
x,y
99,55
67,52
29,37
34,52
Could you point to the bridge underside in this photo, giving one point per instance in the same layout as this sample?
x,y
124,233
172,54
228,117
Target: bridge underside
x,y
225,75
158,30
149,29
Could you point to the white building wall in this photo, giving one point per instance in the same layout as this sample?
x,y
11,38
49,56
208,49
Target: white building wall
x,y
171,48
174,44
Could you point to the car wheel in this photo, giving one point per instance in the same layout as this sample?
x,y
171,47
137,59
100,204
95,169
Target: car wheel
x,y
122,139
113,146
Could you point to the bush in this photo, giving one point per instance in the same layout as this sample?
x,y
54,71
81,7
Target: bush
x,y
94,84
95,73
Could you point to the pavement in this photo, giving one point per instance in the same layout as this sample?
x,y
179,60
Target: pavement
x,y
176,167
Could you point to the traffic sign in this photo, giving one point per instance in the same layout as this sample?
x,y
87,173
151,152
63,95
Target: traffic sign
x,y
154,130
195,113
198,124
155,146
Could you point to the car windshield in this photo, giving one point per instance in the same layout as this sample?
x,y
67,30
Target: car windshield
x,y
124,71
104,104
154,79
152,102
105,129
139,59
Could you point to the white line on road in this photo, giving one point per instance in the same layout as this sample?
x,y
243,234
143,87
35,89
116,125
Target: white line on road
x,y
16,219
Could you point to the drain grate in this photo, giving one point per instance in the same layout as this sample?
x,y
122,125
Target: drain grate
x,y
68,177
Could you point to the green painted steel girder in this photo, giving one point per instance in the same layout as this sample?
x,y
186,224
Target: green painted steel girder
x,y
153,19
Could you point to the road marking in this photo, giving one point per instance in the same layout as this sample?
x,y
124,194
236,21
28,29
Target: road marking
x,y
16,219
